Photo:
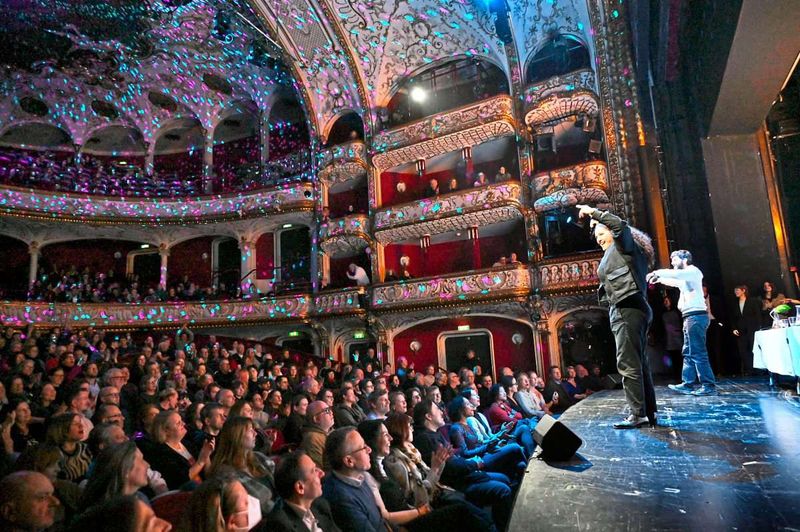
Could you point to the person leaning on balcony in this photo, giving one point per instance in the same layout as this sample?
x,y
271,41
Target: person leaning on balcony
x,y
357,274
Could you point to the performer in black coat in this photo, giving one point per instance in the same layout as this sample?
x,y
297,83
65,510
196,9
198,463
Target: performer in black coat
x,y
627,255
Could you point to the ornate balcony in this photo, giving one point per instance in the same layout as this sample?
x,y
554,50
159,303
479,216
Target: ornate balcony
x,y
122,316
76,207
345,236
478,285
449,131
450,212
566,187
561,96
334,302
577,273
344,162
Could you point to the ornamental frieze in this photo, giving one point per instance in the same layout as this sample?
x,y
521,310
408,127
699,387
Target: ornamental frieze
x,y
449,131
560,105
350,151
585,183
577,80
60,205
344,301
485,284
569,274
344,236
153,314
343,171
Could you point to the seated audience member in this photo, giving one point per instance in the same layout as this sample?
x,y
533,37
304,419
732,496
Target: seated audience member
x,y
168,399
502,175
397,402
501,413
43,458
529,400
212,418
293,430
432,189
480,180
452,185
555,392
511,387
124,514
378,405
480,488
575,390
450,391
391,276
301,506
27,502
23,433
413,397
108,413
67,432
170,457
319,422
235,456
221,504
508,458
347,413
78,403
591,382
118,470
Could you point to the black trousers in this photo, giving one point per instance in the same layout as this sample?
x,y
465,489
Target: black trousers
x,y
630,326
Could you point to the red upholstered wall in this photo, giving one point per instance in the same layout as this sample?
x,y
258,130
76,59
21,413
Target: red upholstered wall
x,y
340,202
338,271
186,164
186,258
519,357
98,255
393,252
265,256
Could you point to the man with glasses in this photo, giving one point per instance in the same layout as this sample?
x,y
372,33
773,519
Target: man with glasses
x,y
301,507
352,501
319,422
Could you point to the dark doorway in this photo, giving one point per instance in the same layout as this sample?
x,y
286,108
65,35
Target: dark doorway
x,y
456,347
295,258
148,267
300,343
229,267
361,347
585,338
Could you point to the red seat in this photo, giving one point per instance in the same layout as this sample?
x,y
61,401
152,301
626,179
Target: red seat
x,y
171,506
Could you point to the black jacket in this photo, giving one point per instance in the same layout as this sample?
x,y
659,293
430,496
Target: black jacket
x,y
285,519
623,268
458,472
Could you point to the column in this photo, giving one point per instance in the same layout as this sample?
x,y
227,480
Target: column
x,y
474,237
163,252
247,247
208,162
34,249
424,244
313,256
466,154
149,165
264,136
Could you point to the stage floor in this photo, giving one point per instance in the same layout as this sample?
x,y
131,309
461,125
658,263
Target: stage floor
x,y
728,462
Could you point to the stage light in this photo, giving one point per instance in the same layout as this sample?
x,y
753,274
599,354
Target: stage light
x,y
418,94
287,226
144,246
463,327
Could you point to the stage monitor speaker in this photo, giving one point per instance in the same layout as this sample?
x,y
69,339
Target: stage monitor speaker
x,y
613,381
558,443
595,146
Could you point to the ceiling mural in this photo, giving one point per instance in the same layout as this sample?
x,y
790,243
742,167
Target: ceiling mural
x,y
82,65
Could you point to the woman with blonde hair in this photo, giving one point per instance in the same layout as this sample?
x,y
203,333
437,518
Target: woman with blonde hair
x,y
221,504
236,456
170,457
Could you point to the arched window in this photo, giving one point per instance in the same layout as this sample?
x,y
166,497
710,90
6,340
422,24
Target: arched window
x,y
444,87
559,55
347,128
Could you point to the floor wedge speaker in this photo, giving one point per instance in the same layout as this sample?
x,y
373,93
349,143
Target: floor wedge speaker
x,y
558,443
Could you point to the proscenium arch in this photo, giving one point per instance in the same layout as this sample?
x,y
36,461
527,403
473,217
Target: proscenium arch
x,y
384,100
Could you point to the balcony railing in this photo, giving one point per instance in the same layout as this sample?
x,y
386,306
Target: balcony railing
x,y
478,285
585,183
344,301
561,96
343,163
469,125
450,212
297,196
345,236
568,274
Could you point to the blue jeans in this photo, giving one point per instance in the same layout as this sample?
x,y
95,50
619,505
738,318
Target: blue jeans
x,y
695,355
495,493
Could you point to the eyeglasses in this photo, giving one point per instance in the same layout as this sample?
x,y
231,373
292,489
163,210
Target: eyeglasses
x,y
365,448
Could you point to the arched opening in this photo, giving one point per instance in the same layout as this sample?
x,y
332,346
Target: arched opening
x,y
178,156
226,260
563,234
37,155
559,55
112,162
585,338
237,149
295,258
347,128
442,87
289,140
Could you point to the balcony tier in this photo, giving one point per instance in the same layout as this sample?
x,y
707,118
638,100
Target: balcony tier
x,y
561,96
585,183
335,302
455,211
576,273
346,236
344,162
470,125
478,285
52,205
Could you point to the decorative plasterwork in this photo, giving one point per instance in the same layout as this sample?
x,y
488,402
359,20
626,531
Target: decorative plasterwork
x,y
26,202
572,274
585,183
577,80
350,151
472,286
394,320
454,211
560,105
343,163
395,38
344,237
139,315
345,301
450,131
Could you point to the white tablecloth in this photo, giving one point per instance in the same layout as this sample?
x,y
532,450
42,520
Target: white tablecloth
x,y
778,351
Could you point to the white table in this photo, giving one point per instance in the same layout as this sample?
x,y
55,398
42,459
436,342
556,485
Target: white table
x,y
778,351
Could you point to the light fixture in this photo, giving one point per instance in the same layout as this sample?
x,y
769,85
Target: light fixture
x,y
418,94
287,226
463,327
294,334
415,346
359,335
144,246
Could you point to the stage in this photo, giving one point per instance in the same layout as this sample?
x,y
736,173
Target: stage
x,y
726,462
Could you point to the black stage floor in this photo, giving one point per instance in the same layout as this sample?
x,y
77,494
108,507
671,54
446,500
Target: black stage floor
x,y
727,462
